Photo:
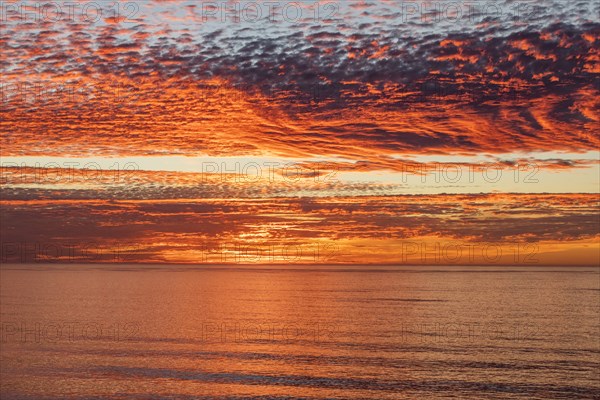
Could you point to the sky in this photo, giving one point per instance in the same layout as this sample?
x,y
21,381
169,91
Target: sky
x,y
306,132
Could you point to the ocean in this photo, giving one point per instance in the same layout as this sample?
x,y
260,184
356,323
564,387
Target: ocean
x,y
312,332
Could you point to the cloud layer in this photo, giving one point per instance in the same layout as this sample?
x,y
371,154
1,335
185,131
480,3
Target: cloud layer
x,y
349,229
374,80
366,85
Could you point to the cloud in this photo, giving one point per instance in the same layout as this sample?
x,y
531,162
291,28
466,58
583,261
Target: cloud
x,y
179,230
398,85
371,85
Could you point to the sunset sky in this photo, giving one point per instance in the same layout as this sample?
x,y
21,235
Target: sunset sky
x,y
309,132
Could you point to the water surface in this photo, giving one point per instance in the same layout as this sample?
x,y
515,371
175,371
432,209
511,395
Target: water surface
x,y
126,331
